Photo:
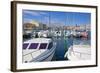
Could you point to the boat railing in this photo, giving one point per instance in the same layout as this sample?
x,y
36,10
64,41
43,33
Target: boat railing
x,y
81,53
30,52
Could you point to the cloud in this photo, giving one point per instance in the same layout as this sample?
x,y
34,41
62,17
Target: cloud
x,y
27,20
35,13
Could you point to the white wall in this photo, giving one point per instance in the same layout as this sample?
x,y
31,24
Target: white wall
x,y
5,37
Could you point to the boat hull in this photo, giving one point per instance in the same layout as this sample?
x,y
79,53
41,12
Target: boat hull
x,y
78,52
45,56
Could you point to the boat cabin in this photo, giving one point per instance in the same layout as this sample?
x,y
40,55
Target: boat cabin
x,y
38,43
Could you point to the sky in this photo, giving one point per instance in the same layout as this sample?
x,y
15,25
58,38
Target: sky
x,y
56,17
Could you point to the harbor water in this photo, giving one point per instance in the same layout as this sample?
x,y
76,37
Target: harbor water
x,y
64,43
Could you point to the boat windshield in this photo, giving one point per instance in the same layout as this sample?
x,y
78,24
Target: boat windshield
x,y
25,45
50,45
33,46
43,46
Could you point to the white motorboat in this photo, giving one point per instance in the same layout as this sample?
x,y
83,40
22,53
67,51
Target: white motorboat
x,y
38,49
67,33
57,33
43,33
78,52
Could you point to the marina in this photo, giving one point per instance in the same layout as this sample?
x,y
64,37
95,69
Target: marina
x,y
62,46
67,43
53,36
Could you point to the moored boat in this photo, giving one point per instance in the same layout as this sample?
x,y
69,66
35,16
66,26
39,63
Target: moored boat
x,y
78,52
38,49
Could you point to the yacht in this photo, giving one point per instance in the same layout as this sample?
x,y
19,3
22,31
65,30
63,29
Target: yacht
x,y
78,52
38,50
27,34
81,34
67,33
57,33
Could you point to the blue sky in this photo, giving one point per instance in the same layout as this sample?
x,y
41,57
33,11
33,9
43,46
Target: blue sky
x,y
58,18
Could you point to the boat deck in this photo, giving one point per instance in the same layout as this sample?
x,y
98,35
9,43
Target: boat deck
x,y
79,52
